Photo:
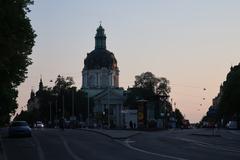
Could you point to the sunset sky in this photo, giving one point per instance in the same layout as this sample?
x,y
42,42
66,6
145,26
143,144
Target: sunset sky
x,y
191,43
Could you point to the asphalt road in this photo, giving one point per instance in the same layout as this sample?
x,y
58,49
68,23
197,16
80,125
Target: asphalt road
x,y
52,144
186,145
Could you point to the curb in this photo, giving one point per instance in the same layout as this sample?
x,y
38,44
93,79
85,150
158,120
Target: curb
x,y
109,136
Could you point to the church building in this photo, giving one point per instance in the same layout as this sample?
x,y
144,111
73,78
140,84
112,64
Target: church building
x,y
100,79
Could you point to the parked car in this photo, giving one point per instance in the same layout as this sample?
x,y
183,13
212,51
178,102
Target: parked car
x,y
39,124
19,128
232,125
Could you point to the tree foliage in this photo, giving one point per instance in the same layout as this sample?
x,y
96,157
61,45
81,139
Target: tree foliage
x,y
63,83
163,88
135,94
179,117
16,42
148,81
151,88
62,94
230,101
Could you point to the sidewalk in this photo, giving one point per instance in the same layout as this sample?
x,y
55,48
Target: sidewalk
x,y
114,134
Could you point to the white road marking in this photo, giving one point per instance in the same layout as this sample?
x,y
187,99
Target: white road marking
x,y
73,155
39,149
208,145
126,142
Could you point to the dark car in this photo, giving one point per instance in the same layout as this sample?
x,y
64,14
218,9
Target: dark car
x,y
19,128
39,124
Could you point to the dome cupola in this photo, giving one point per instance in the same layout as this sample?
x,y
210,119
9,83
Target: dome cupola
x,y
100,38
100,66
100,57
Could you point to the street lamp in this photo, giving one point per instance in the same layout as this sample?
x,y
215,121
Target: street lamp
x,y
108,108
88,109
108,98
50,112
63,105
73,102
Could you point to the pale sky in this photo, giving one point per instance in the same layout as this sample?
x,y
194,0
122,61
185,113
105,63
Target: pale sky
x,y
191,43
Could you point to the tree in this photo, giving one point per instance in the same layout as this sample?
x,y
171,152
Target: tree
x,y
163,88
62,83
229,105
134,94
179,118
16,42
146,80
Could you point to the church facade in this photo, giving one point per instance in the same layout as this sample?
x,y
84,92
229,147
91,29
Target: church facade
x,y
100,79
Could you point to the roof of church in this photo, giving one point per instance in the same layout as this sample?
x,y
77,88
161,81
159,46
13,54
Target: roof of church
x,y
100,57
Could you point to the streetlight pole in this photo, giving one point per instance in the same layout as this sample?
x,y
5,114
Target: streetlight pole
x,y
72,102
50,112
56,107
63,105
108,98
108,109
88,110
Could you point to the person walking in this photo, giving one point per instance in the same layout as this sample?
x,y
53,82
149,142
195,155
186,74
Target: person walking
x,y
61,123
131,124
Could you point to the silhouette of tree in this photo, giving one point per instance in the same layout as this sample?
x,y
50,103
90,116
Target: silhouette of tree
x,y
163,88
53,99
62,83
16,42
146,80
230,102
179,117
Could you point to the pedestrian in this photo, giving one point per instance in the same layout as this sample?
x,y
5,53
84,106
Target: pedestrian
x,y
61,123
134,125
131,124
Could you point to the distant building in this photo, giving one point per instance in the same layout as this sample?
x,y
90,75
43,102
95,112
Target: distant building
x,y
100,79
33,102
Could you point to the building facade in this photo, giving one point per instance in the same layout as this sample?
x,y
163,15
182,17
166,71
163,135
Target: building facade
x,y
100,79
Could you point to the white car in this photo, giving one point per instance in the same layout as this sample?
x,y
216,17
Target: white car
x,y
232,125
39,124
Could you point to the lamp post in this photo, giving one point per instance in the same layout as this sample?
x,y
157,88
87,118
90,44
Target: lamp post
x,y
72,102
63,110
56,110
50,112
108,96
108,109
88,110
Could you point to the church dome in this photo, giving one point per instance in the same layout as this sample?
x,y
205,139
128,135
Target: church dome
x,y
100,57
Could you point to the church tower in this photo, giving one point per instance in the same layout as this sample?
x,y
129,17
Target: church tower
x,y
100,66
100,79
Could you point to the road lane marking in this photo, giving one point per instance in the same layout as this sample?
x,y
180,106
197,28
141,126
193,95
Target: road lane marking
x,y
208,145
73,155
39,149
126,142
